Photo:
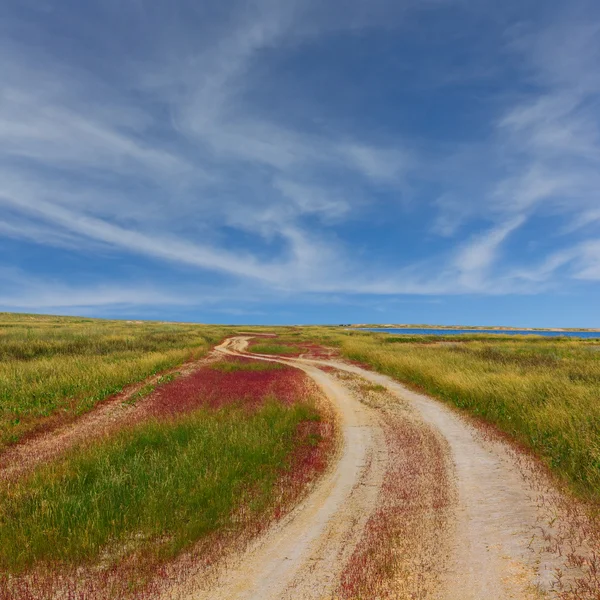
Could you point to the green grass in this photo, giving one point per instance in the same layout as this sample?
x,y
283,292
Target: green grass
x,y
59,367
155,489
251,365
147,389
267,348
544,392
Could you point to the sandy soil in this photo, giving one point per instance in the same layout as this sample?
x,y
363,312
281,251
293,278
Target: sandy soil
x,y
453,512
490,543
108,415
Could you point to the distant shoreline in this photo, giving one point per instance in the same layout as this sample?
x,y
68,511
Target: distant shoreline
x,y
469,327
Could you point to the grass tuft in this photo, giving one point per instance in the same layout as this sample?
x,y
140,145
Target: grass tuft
x,y
232,365
272,348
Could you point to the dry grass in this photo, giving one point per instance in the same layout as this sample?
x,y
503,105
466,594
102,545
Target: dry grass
x,y
55,368
543,393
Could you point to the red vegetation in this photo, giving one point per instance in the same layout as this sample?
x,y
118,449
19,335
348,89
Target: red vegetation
x,y
233,380
399,554
214,387
310,350
315,442
327,369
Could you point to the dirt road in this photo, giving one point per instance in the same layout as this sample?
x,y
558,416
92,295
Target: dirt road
x,y
477,538
302,557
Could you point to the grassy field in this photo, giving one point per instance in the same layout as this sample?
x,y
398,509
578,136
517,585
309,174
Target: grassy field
x,y
543,392
269,348
154,489
220,441
216,455
54,368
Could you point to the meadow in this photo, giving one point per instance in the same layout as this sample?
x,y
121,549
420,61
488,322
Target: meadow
x,y
55,368
216,455
543,392
224,449
139,485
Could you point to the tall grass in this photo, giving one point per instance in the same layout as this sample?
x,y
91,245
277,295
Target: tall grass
x,y
544,393
273,348
155,489
60,367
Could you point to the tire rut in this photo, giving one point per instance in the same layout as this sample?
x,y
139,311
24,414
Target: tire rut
x,y
303,556
493,547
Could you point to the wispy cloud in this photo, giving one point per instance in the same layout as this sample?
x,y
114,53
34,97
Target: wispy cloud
x,y
474,259
183,152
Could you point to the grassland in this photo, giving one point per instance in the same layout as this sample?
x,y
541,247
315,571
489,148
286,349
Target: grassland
x,y
154,489
55,368
543,392
214,456
218,442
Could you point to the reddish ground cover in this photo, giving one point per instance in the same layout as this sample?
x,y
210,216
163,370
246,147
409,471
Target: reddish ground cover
x,y
308,462
399,555
239,380
310,350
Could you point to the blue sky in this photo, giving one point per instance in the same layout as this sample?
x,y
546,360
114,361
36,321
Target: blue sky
x,y
301,161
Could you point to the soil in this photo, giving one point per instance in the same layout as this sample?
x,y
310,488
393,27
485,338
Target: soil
x,y
109,415
474,525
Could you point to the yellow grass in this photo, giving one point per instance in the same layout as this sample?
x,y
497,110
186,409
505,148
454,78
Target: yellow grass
x,y
58,367
543,392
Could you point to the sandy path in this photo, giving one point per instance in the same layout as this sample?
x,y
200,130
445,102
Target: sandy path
x,y
302,557
492,551
494,544
108,415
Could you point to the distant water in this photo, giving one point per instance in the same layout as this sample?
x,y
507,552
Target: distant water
x,y
427,331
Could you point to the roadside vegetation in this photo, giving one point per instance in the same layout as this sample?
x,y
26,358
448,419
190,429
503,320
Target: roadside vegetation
x,y
295,341
219,453
139,488
280,349
401,553
545,393
55,368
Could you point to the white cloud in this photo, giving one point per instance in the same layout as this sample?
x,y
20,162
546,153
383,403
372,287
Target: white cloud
x,y
80,154
310,199
588,266
378,164
478,255
553,135
166,166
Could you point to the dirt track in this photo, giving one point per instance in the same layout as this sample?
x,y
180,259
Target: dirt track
x,y
105,418
490,545
416,504
302,557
